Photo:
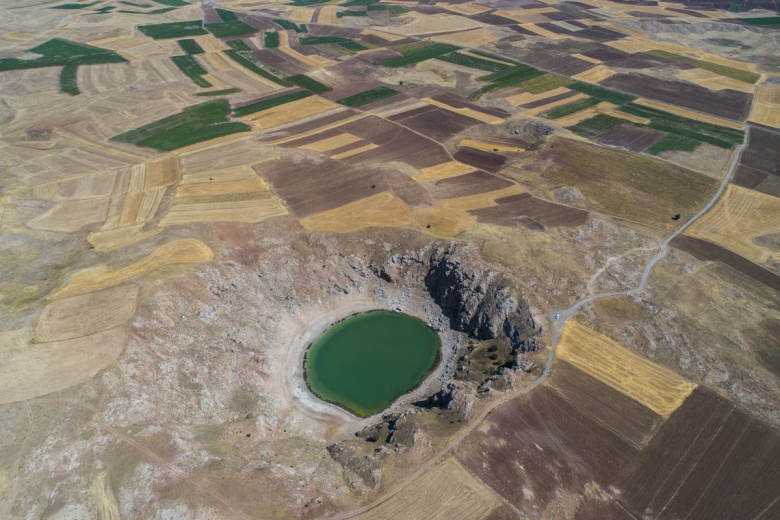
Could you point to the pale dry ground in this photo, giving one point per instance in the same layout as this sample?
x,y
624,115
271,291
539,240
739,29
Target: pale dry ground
x,y
314,60
489,147
322,128
328,15
596,74
104,497
72,216
741,215
77,316
301,14
648,383
475,55
117,238
383,209
541,31
472,38
467,9
331,143
713,81
442,171
350,153
263,207
690,114
527,16
766,105
446,490
291,112
448,218
643,43
216,188
390,37
32,370
437,23
188,250
469,112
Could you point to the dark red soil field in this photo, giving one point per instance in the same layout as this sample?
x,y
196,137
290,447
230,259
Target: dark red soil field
x,y
560,64
628,137
468,184
551,99
707,460
531,212
707,251
458,102
480,159
437,123
726,103
759,166
308,126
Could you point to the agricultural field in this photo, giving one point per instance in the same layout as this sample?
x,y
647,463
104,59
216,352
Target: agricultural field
x,y
579,199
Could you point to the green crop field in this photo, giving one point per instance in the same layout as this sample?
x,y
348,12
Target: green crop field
x,y
572,108
239,45
161,31
397,9
255,66
767,20
722,70
194,124
133,4
225,15
350,47
227,29
544,83
223,92
507,78
292,26
475,63
191,69
172,3
190,46
682,126
265,104
308,83
271,40
58,52
597,125
419,53
160,11
369,96
68,80
75,6
735,8
672,143
318,40
601,93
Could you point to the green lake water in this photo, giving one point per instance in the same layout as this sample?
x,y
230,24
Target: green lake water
x,y
364,362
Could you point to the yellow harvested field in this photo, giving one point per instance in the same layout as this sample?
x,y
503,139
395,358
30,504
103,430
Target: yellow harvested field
x,y
379,34
149,204
713,81
383,209
443,171
437,23
290,112
251,211
628,117
596,74
582,115
301,14
86,314
211,44
107,506
690,114
112,239
766,105
647,383
350,153
467,9
332,143
314,60
527,16
29,370
468,112
528,97
187,250
543,32
586,58
739,216
232,173
216,188
447,490
549,106
328,15
489,147
472,38
448,218
216,61
72,216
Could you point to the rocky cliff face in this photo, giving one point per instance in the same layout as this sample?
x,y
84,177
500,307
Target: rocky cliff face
x,y
479,302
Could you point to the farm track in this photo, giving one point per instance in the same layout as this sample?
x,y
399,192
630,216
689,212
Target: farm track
x,y
558,325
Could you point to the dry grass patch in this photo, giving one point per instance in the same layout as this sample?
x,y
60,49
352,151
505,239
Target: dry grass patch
x,y
466,9
741,215
182,251
712,81
582,115
540,31
254,210
586,58
328,15
648,383
447,490
468,112
217,188
596,74
313,60
331,143
86,314
529,97
112,239
106,503
291,112
32,370
472,38
766,105
561,102
437,23
383,210
442,171
72,216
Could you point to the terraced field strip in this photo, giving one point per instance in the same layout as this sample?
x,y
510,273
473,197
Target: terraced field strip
x,y
314,60
507,78
652,385
713,81
355,151
474,61
417,52
446,490
583,115
265,104
381,210
177,252
466,111
442,171
367,97
729,72
217,188
332,143
253,210
740,216
191,69
290,112
555,104
766,105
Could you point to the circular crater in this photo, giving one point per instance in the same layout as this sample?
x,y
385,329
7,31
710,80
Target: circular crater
x,y
366,361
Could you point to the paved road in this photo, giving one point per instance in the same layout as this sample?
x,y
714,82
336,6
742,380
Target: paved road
x,y
564,315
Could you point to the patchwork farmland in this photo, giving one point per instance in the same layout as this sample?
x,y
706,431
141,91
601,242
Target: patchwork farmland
x,y
581,198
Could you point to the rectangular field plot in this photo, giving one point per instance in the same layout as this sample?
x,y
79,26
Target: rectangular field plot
x,y
417,52
173,29
367,97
